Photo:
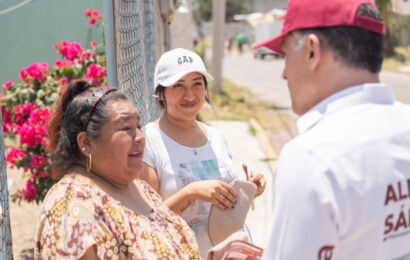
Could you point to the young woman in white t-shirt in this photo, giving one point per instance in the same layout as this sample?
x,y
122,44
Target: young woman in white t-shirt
x,y
186,161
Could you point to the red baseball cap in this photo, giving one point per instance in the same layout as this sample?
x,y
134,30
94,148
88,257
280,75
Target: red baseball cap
x,y
303,14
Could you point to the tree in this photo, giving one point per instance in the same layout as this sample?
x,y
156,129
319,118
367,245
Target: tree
x,y
384,7
202,9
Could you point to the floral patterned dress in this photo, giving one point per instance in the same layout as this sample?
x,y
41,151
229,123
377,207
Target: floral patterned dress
x,y
76,214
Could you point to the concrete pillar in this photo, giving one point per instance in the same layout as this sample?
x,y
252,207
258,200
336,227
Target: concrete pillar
x,y
218,17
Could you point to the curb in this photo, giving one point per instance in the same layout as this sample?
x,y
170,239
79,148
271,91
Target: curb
x,y
263,140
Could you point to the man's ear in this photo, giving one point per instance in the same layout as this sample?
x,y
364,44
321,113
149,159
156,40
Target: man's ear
x,y
314,51
84,143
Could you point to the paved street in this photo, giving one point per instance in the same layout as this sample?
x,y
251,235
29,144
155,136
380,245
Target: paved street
x,y
400,83
263,78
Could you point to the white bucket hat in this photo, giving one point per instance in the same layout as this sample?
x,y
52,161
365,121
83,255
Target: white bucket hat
x,y
175,64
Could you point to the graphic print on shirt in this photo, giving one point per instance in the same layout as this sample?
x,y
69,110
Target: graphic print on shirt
x,y
197,214
325,252
397,224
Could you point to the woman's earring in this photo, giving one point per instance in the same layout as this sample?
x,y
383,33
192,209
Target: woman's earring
x,y
89,162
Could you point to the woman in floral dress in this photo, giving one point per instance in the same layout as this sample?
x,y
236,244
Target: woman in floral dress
x,y
97,210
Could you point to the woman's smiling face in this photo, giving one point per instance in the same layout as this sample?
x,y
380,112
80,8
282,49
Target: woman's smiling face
x,y
185,98
117,152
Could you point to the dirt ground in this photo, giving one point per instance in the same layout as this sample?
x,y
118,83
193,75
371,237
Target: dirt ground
x,y
23,220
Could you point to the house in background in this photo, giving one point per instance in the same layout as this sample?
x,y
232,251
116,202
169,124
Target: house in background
x,y
266,5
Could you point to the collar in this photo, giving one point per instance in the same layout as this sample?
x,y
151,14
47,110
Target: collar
x,y
375,93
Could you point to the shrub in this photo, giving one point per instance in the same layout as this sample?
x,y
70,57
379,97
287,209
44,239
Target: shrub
x,y
27,104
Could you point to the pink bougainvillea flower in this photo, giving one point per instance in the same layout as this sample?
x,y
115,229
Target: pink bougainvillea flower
x,y
95,72
94,16
89,54
93,44
88,12
92,21
39,116
7,84
95,13
28,136
22,112
23,74
60,64
29,191
14,155
63,81
69,50
38,161
37,71
44,174
33,131
7,121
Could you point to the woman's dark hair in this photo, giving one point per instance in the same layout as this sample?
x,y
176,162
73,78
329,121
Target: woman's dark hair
x,y
82,107
163,103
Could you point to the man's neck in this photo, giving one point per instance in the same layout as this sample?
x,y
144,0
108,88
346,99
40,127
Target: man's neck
x,y
344,78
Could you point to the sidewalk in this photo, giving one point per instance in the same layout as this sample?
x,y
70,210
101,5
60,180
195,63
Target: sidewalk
x,y
247,148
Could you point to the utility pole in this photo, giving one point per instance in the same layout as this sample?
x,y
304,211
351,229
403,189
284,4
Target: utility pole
x,y
218,17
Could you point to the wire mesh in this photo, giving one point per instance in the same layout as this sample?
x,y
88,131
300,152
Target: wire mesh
x,y
135,54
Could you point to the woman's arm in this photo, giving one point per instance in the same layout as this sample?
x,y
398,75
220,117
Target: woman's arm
x,y
90,254
216,192
150,176
177,202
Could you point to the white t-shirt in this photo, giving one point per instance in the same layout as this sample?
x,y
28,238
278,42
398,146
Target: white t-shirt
x,y
179,165
342,189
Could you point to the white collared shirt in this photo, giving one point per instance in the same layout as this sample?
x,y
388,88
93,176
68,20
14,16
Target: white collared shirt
x,y
342,188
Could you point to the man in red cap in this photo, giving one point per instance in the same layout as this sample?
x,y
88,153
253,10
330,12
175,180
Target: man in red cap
x,y
342,187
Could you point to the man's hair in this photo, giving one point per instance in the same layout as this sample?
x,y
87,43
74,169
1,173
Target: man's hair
x,y
353,46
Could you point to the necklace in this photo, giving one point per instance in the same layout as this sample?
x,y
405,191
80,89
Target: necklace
x,y
196,139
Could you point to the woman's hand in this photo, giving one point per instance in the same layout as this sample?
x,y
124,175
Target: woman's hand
x,y
217,192
257,178
260,183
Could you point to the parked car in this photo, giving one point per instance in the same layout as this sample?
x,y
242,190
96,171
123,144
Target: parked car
x,y
262,52
264,31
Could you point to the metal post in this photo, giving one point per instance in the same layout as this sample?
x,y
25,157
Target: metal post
x,y
110,43
218,17
6,249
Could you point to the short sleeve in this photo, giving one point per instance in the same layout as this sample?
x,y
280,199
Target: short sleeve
x,y
305,217
149,154
68,228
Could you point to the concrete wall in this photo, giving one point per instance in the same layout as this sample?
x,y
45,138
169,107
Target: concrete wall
x,y
182,31
266,5
29,32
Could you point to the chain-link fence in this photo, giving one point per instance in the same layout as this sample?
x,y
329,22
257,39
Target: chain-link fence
x,y
6,251
135,53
